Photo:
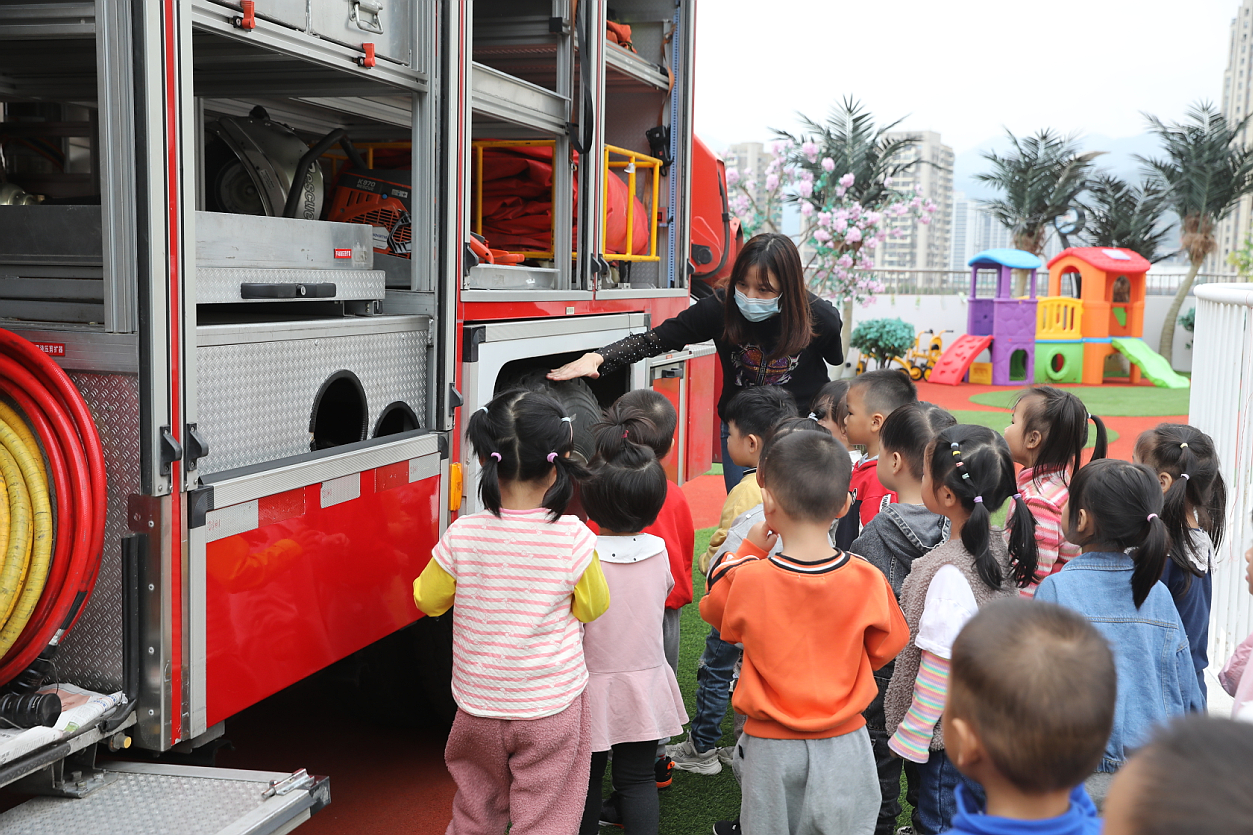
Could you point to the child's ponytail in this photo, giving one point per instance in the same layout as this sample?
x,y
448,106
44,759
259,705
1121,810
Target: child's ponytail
x,y
1101,447
524,435
1022,545
1150,558
626,487
976,537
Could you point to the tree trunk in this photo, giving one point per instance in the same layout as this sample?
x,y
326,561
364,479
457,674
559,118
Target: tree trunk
x,y
846,334
1166,346
1020,283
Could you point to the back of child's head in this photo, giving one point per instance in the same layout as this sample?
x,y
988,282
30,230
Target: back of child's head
x,y
1037,683
1124,504
908,431
827,401
758,409
974,463
1192,778
1187,455
524,435
1062,421
937,418
658,432
626,487
807,472
885,390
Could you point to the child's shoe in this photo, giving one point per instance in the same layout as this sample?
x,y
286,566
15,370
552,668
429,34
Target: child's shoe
x,y
687,758
726,755
663,771
610,814
727,827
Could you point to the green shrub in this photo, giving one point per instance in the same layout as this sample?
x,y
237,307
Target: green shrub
x,y
883,339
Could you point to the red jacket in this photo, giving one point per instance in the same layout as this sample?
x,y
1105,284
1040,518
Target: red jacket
x,y
674,526
869,491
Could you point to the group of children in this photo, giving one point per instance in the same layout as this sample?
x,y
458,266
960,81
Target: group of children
x,y
864,611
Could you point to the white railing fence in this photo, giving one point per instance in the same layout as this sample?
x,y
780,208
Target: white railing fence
x,y
940,282
1222,407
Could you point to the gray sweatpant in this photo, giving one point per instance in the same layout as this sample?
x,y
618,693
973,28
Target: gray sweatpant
x,y
670,645
809,786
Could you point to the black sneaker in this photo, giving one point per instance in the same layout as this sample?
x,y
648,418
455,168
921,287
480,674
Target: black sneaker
x,y
727,827
610,814
663,771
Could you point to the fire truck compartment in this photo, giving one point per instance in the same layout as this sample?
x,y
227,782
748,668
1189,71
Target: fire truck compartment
x,y
259,381
142,797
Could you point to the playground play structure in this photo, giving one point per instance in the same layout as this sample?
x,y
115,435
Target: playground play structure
x,y
1058,338
918,360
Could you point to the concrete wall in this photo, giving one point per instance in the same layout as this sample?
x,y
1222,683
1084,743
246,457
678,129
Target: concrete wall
x,y
949,312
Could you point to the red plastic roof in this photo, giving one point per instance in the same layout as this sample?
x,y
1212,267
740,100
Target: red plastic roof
x,y
1106,258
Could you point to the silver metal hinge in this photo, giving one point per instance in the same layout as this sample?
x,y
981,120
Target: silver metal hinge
x,y
296,780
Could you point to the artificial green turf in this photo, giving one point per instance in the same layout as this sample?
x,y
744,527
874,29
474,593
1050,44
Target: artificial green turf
x,y
1115,401
999,420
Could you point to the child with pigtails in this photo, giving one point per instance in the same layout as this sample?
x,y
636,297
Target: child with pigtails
x,y
524,578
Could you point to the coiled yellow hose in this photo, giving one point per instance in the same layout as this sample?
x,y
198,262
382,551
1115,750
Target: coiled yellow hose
x,y
28,528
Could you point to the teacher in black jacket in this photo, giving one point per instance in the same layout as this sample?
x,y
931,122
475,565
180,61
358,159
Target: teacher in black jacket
x,y
768,329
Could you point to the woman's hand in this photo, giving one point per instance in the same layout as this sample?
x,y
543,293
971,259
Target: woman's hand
x,y
585,366
762,537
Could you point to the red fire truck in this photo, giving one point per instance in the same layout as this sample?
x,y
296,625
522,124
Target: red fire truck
x,y
282,248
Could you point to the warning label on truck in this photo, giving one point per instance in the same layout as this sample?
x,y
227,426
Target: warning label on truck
x,y
52,349
343,253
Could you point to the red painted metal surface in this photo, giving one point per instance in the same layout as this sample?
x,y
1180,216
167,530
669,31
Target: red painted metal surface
x,y
669,387
294,596
701,419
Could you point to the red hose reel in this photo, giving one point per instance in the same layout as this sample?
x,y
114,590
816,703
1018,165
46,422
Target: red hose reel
x,y
60,419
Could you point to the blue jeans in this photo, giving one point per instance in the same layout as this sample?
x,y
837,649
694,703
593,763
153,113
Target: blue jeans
x,y
937,780
732,473
713,690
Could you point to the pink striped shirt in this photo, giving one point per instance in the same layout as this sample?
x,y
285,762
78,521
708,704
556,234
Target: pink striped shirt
x,y
1045,498
517,648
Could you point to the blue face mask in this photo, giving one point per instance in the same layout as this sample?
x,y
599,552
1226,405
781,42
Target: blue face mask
x,y
756,310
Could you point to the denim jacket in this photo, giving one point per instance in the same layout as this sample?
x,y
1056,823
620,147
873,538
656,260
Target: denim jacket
x,y
1156,680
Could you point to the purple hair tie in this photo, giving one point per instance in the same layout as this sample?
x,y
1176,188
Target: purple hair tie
x,y
1018,497
496,455
1151,517
979,499
552,456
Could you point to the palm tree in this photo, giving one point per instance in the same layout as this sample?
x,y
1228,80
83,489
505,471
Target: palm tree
x,y
1040,179
850,139
1126,216
1205,172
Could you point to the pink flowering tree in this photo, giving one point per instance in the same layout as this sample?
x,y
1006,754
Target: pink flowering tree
x,y
840,174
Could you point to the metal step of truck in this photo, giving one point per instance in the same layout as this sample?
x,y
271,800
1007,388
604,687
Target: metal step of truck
x,y
187,800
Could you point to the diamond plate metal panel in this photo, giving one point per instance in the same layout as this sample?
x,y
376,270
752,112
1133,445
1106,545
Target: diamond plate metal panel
x,y
215,285
91,655
256,399
141,804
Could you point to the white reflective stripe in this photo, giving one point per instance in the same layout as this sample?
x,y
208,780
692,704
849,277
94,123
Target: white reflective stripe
x,y
228,521
342,489
423,467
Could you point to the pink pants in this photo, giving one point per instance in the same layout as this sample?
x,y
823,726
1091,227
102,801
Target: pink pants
x,y
531,772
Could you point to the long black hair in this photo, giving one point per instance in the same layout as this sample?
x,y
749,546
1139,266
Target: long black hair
x,y
1062,421
524,435
626,487
974,462
1187,455
1124,502
771,253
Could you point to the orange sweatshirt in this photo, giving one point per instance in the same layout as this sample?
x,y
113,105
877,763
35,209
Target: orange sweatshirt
x,y
813,633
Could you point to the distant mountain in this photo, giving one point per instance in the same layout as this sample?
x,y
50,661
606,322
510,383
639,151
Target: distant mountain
x,y
1119,159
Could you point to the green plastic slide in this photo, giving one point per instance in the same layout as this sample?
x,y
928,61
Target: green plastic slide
x,y
1152,364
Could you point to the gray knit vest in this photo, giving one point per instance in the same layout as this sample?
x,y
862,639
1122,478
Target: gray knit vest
x,y
913,595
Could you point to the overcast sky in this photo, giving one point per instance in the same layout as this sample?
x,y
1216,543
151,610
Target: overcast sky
x,y
965,68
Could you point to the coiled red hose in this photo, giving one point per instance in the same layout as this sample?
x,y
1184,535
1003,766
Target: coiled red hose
x,y
59,417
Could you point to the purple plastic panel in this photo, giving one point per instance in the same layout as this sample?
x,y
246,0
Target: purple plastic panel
x,y
1014,318
979,317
